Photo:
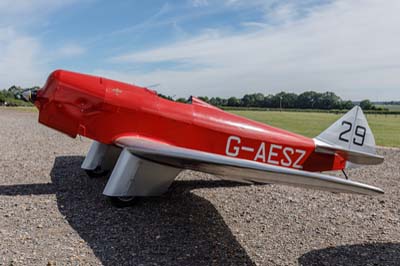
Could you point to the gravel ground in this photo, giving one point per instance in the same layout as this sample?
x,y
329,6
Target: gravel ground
x,y
51,213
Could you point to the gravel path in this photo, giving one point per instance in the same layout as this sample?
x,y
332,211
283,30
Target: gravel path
x,y
51,213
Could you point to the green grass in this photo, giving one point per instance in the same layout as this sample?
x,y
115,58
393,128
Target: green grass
x,y
391,107
386,128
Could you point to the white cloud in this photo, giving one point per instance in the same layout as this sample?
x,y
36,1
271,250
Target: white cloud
x,y
350,47
70,50
20,62
199,3
27,13
8,7
23,60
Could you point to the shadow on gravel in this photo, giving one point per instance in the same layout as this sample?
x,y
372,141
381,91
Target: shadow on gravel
x,y
382,254
178,228
27,189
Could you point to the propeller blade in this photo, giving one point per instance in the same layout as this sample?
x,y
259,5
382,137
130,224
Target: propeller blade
x,y
29,95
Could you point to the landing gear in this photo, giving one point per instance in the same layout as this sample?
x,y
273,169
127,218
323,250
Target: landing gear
x,y
100,159
122,202
97,172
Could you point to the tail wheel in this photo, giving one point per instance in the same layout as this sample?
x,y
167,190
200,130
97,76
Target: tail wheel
x,y
97,172
122,202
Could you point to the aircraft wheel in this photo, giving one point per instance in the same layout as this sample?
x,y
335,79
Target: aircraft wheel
x,y
122,202
96,173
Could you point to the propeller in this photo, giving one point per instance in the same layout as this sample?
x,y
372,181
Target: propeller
x,y
28,95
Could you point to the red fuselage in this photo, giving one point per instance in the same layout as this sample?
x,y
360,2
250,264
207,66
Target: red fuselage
x,y
104,110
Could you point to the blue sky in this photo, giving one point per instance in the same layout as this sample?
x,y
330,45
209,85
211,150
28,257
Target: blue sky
x,y
208,47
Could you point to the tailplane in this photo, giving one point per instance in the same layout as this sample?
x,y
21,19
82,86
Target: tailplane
x,y
350,137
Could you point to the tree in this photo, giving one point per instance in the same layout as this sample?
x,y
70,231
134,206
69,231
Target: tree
x,y
267,101
248,100
2,98
204,99
258,99
233,101
181,100
289,100
347,105
213,101
277,101
165,97
308,99
328,100
366,105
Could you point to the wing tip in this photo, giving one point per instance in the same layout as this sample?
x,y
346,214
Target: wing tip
x,y
375,191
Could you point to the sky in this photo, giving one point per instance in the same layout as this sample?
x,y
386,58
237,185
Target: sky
x,y
208,47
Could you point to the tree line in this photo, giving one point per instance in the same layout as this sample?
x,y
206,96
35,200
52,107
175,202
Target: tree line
x,y
283,100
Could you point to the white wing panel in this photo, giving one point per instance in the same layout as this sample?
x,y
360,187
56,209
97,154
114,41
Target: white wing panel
x,y
239,169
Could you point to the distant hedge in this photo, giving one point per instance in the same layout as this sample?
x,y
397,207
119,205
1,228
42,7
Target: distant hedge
x,y
283,100
333,111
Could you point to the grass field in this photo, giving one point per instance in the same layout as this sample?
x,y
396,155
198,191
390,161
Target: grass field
x,y
391,107
386,128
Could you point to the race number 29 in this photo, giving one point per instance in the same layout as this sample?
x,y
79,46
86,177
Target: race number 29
x,y
359,134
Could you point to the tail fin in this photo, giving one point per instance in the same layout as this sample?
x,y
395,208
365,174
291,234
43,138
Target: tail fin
x,y
351,137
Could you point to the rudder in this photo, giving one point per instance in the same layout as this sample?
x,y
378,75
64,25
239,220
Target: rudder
x,y
351,136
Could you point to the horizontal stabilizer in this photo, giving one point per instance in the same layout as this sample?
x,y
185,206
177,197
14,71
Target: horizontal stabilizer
x,y
356,157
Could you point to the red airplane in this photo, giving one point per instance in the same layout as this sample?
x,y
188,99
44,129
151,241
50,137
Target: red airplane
x,y
145,141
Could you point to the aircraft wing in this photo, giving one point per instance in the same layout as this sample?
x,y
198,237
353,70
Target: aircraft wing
x,y
238,169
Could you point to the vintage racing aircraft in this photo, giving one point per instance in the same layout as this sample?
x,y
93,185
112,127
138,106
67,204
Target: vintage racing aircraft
x,y
144,141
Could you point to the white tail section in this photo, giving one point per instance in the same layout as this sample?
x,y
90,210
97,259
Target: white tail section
x,y
351,137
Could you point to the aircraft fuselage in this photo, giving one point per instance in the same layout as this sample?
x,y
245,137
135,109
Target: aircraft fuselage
x,y
104,110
